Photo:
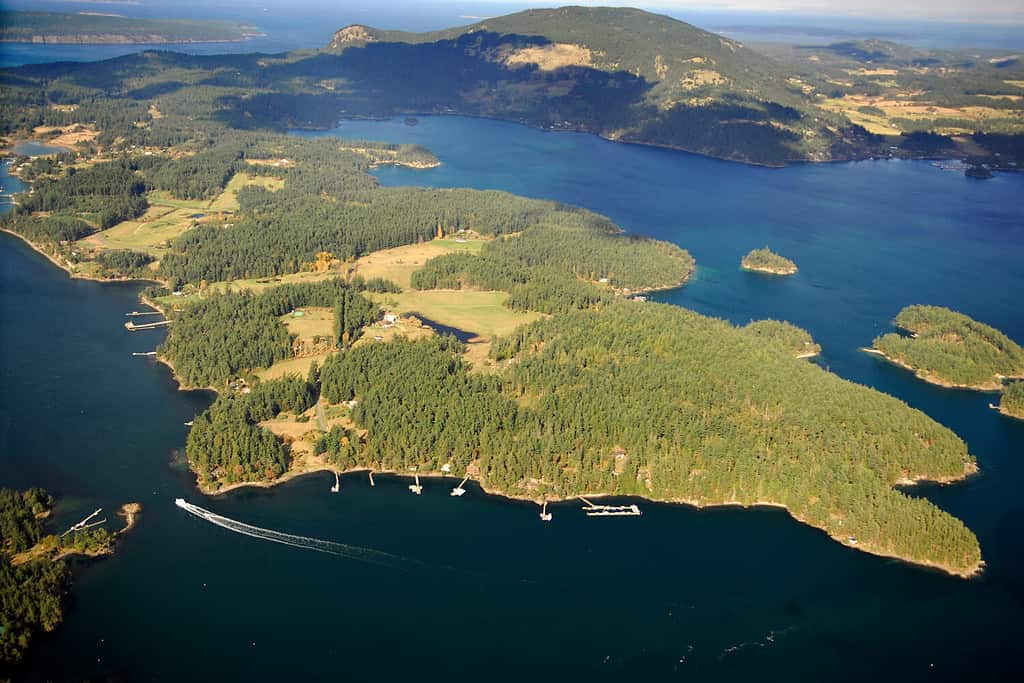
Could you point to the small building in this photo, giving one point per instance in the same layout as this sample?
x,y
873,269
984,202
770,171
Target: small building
x,y
390,318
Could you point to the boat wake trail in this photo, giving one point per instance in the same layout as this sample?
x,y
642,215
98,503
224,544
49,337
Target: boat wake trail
x,y
330,547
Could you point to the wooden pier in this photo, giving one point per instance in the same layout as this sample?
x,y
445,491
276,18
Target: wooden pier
x,y
132,327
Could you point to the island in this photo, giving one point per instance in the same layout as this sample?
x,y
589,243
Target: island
x,y
767,261
348,326
95,28
1012,402
33,575
624,74
950,349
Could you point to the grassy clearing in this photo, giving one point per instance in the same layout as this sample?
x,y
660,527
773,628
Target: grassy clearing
x,y
315,322
911,110
228,199
480,313
293,366
154,228
400,263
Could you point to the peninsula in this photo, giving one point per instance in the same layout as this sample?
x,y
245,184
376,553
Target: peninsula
x,y
90,28
33,576
950,349
318,304
767,261
561,379
1012,402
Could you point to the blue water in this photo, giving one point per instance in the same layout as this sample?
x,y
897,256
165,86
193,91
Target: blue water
x,y
678,594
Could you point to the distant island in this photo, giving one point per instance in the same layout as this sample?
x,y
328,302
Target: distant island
x,y
1012,402
951,349
90,28
767,261
33,576
624,74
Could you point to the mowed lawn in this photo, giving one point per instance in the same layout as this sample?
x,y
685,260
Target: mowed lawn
x,y
168,217
481,313
400,263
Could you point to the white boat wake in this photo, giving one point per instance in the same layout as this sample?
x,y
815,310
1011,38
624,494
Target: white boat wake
x,y
341,549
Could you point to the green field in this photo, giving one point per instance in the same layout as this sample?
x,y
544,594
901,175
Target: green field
x,y
482,313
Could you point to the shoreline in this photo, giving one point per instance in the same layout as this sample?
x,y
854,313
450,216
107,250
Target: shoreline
x,y
970,470
991,387
769,271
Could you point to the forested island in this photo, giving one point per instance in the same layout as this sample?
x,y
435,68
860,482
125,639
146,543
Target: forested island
x,y
951,349
294,284
310,299
767,261
1012,401
34,576
93,28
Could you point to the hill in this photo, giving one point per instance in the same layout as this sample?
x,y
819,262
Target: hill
x,y
629,75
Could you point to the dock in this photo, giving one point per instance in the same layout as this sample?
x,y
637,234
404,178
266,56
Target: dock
x,y
85,523
458,490
594,510
416,488
143,353
135,313
132,327
337,483
545,516
371,478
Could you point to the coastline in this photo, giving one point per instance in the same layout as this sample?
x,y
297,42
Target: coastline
x,y
768,270
970,469
993,386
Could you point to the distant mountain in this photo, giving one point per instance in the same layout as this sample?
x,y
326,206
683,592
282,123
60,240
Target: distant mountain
x,y
624,73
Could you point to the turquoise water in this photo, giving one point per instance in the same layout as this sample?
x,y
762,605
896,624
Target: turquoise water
x,y
483,589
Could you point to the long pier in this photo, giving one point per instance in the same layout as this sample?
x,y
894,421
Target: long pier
x,y
137,313
594,510
132,327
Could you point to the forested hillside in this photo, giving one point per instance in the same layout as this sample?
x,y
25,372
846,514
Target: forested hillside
x,y
657,401
624,74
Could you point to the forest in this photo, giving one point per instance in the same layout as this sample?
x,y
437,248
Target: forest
x,y
30,592
793,339
226,445
946,347
653,400
766,260
221,337
1012,401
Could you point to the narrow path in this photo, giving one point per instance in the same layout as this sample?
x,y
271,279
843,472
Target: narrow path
x,y
321,419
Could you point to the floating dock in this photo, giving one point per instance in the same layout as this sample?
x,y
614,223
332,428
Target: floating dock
x,y
458,490
593,510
